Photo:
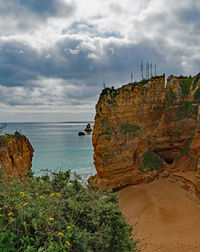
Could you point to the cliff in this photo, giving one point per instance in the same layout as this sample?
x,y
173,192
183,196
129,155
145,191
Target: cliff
x,y
16,155
144,129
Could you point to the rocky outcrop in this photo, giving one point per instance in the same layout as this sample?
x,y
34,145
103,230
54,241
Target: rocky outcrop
x,y
145,128
16,155
88,127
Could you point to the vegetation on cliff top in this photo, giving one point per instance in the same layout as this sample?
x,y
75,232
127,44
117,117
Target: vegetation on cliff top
x,y
59,214
6,137
114,92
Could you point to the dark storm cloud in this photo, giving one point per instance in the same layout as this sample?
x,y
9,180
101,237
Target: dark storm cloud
x,y
59,52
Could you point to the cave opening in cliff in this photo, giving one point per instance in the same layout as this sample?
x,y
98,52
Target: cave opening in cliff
x,y
167,159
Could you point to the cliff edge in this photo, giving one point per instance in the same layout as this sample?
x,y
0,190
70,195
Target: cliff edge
x,y
144,129
16,154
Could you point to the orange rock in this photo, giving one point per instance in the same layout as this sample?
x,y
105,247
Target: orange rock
x,y
16,156
140,123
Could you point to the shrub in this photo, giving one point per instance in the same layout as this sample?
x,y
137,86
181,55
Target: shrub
x,y
129,128
151,161
185,86
188,105
60,214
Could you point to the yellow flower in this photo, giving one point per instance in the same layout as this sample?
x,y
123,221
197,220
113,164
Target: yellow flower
x,y
68,227
26,203
51,218
68,243
10,214
60,234
51,195
1,208
41,196
58,194
22,194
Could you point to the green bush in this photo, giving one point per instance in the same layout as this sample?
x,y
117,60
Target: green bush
x,y
185,86
129,128
151,161
60,214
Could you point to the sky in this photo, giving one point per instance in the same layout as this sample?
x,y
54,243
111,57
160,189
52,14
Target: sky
x,y
56,54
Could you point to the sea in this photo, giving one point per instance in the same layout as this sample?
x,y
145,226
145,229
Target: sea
x,y
57,147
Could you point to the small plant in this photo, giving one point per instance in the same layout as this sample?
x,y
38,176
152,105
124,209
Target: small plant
x,y
151,161
129,128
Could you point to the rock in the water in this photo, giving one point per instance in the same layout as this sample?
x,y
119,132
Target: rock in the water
x,y
145,128
81,133
88,127
16,154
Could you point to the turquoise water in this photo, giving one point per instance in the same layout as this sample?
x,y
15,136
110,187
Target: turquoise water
x,y
58,147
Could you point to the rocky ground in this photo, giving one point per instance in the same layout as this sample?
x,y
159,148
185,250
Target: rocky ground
x,y
165,214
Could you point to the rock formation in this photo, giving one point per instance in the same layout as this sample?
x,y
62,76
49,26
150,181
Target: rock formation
x,y
88,127
144,129
16,155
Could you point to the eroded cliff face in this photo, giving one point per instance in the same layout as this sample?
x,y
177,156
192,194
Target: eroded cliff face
x,y
143,129
16,155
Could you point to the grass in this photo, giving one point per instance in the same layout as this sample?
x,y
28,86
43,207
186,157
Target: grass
x,y
60,214
151,161
129,128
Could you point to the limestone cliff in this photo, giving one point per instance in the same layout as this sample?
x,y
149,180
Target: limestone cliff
x,y
145,128
15,155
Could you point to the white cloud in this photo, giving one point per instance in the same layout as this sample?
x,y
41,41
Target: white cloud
x,y
106,32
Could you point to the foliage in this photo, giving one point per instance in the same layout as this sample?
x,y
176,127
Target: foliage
x,y
188,105
112,91
6,137
185,86
60,214
129,128
151,161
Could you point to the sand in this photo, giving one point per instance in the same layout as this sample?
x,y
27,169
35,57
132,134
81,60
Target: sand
x,y
165,216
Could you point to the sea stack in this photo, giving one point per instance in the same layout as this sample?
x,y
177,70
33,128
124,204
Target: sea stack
x,y
88,128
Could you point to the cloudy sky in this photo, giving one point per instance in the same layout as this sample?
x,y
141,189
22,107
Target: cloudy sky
x,y
56,54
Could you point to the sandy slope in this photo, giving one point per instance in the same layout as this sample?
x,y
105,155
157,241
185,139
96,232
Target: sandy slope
x,y
165,216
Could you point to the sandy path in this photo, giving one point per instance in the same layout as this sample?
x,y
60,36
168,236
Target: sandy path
x,y
166,218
